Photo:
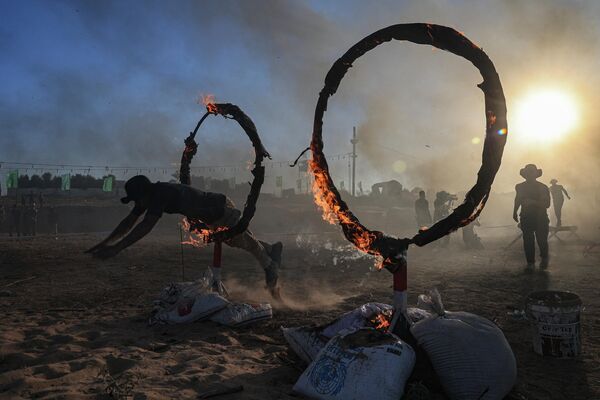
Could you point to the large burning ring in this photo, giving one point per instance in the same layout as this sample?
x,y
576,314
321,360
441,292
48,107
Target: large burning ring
x,y
229,111
327,195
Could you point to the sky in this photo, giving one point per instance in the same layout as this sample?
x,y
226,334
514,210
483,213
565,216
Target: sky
x,y
117,83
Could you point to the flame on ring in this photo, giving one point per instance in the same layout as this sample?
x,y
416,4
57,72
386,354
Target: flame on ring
x,y
209,102
332,212
198,237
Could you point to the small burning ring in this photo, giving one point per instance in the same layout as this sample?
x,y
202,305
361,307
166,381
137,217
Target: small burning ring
x,y
230,111
327,195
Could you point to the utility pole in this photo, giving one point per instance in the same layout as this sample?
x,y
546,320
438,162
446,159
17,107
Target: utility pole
x,y
354,140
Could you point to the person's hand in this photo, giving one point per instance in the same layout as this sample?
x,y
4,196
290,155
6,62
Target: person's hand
x,y
106,252
516,218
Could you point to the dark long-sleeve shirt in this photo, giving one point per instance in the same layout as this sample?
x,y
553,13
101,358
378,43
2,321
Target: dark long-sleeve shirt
x,y
533,198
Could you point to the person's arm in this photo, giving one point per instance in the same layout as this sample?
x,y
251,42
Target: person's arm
x,y
124,226
545,200
517,205
141,230
566,194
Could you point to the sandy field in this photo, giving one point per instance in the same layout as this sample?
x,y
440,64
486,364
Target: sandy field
x,y
74,327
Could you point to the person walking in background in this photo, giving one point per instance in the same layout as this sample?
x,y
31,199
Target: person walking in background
x,y
533,198
442,205
558,199
422,211
470,238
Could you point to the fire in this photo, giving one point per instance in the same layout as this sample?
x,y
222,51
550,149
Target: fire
x,y
381,322
326,199
198,237
210,102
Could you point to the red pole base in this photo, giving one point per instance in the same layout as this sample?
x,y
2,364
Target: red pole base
x,y
217,252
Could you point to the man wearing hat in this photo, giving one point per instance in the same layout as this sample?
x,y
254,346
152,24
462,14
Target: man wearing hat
x,y
533,198
558,199
213,209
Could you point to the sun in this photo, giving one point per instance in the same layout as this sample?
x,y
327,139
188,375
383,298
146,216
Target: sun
x,y
545,116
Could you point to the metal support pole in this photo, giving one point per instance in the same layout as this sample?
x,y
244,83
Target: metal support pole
x,y
217,284
399,324
181,246
353,141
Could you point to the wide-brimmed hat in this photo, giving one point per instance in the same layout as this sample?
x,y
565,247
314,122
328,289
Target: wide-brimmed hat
x,y
530,171
553,181
136,188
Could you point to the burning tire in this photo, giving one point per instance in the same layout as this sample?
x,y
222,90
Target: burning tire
x,y
229,111
328,197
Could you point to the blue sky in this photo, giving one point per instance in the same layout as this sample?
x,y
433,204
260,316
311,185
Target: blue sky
x,y
116,83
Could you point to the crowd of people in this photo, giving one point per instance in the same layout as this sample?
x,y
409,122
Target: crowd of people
x,y
21,218
533,198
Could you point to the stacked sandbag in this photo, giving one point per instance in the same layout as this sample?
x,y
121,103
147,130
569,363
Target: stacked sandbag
x,y
361,364
185,302
240,314
469,353
307,341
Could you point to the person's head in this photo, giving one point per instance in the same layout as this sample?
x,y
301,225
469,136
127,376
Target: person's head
x,y
422,194
553,181
137,188
530,172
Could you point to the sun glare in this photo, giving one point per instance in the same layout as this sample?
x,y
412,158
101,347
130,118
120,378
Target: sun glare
x,y
545,116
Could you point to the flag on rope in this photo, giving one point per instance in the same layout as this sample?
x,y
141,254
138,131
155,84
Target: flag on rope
x,y
279,181
12,179
108,183
65,182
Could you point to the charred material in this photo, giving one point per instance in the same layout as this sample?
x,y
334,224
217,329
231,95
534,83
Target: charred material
x,y
327,195
230,111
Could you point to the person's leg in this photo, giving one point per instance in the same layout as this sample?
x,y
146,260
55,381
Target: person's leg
x,y
558,211
268,259
528,241
245,240
541,236
248,242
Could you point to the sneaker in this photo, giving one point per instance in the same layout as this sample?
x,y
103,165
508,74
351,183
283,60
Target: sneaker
x,y
544,263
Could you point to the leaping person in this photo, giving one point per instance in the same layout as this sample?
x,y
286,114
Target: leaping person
x,y
215,210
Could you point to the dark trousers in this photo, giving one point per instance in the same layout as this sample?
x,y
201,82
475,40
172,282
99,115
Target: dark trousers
x,y
535,228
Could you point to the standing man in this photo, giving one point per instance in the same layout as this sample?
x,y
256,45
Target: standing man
x,y
214,210
422,211
558,199
442,206
533,198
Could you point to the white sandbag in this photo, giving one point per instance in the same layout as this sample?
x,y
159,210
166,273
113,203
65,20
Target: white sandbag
x,y
240,314
415,314
469,354
186,302
305,341
356,319
364,364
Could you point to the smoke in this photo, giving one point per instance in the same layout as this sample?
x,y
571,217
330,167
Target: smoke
x,y
116,83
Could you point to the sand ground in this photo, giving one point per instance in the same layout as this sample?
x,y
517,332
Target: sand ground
x,y
76,327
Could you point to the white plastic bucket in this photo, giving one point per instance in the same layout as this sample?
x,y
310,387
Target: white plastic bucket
x,y
555,323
